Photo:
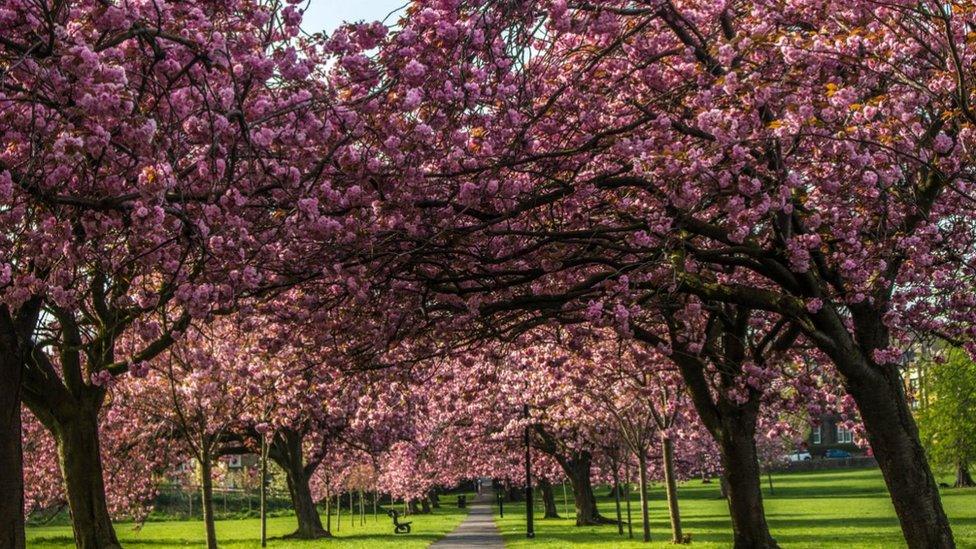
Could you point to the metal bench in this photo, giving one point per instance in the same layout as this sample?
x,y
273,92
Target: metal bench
x,y
398,527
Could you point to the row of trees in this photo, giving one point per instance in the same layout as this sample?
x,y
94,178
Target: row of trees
x,y
737,195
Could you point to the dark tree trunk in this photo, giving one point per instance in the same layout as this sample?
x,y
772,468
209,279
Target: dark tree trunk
x,y
11,453
15,335
69,408
435,500
576,465
81,467
425,506
548,499
741,481
733,425
963,478
671,488
414,508
309,522
879,393
578,471
893,435
206,494
286,451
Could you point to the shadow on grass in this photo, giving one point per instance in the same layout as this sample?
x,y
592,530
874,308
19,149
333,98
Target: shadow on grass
x,y
786,528
170,542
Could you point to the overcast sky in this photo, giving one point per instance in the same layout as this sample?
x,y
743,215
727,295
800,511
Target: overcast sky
x,y
326,15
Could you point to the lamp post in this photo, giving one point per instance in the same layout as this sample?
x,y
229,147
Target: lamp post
x,y
529,526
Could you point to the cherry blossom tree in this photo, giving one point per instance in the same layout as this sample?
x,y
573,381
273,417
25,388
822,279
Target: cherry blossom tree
x,y
644,401
152,177
194,389
547,155
743,188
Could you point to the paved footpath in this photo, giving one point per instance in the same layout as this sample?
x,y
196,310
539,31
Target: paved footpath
x,y
478,530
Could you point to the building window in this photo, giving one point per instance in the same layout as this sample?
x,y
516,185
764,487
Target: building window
x,y
844,436
815,435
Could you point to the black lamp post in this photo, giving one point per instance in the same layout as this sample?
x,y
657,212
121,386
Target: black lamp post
x,y
529,525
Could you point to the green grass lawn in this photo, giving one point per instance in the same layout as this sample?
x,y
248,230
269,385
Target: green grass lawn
x,y
376,533
807,510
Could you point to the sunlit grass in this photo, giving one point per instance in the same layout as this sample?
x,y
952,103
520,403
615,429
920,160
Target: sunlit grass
x,y
376,533
806,510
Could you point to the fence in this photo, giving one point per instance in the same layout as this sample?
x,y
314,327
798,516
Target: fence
x,y
183,501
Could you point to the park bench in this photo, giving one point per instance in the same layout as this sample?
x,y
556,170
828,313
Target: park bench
x,y
398,527
462,501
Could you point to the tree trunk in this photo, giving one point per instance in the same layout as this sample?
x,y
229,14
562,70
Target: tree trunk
x,y
616,500
435,500
11,453
576,465
309,522
671,486
893,435
879,392
425,506
630,518
206,483
578,471
14,330
741,482
548,499
963,478
328,511
81,468
733,427
642,481
287,452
